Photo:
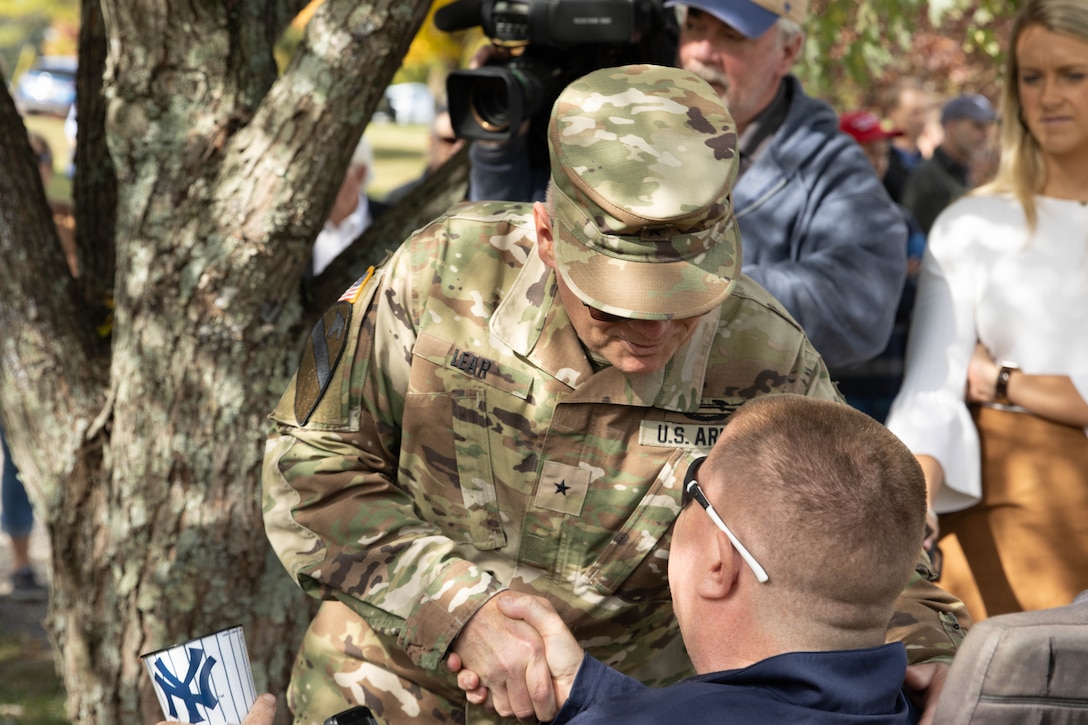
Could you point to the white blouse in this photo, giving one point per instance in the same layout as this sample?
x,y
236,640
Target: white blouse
x,y
1025,299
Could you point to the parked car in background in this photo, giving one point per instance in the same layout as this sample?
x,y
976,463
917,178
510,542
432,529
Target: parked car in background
x,y
48,86
410,103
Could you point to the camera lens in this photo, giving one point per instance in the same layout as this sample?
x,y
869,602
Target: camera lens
x,y
489,101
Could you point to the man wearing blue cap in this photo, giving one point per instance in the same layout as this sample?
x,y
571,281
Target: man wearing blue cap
x,y
819,232
945,176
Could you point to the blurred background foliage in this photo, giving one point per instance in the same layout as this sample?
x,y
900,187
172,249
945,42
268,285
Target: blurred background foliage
x,y
856,47
853,47
32,27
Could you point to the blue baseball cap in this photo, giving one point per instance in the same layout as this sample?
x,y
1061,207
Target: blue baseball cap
x,y
751,18
973,107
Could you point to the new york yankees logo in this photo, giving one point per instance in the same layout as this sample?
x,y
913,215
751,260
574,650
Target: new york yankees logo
x,y
182,689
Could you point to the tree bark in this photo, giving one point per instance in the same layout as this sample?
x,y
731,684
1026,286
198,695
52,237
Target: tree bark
x,y
94,188
144,460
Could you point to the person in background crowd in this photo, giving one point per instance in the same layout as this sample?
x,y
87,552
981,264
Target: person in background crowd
x,y
820,233
937,182
871,387
778,632
17,519
932,135
510,402
64,217
352,211
907,105
1001,309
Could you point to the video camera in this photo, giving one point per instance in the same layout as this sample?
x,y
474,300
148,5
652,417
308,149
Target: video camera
x,y
551,43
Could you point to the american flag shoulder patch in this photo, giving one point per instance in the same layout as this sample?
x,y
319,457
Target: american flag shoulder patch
x,y
352,293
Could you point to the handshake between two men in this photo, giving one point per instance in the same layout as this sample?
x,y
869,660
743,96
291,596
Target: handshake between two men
x,y
788,625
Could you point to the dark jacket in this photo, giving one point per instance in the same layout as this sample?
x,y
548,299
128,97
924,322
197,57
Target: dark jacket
x,y
819,688
937,182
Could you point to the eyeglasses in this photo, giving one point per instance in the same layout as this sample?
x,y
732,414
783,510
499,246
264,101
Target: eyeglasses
x,y
692,490
602,316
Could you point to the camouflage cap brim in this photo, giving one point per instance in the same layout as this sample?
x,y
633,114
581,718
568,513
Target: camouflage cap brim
x,y
632,276
643,161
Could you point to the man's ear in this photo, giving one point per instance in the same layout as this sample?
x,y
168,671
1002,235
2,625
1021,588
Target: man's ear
x,y
545,244
721,567
791,52
360,173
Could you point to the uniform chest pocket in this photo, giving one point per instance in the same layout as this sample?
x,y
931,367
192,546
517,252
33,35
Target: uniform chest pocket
x,y
455,437
634,562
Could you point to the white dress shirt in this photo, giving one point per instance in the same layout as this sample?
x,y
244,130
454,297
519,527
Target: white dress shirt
x,y
334,238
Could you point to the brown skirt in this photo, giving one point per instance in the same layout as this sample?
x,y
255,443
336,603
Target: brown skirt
x,y
1025,545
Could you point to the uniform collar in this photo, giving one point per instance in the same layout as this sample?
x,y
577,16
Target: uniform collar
x,y
532,322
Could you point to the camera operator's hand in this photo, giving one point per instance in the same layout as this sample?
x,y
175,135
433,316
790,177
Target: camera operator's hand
x,y
508,657
486,54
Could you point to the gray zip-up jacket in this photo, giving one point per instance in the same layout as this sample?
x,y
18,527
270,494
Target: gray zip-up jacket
x,y
817,228
820,233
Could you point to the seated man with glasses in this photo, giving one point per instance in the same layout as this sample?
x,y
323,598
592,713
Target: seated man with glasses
x,y
790,625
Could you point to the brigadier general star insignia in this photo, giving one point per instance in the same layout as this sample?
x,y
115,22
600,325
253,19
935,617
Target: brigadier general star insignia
x,y
319,358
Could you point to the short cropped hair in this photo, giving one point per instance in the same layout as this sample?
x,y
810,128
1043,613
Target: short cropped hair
x,y
834,502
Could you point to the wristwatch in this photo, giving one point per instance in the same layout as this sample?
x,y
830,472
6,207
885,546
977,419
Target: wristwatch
x,y
1001,387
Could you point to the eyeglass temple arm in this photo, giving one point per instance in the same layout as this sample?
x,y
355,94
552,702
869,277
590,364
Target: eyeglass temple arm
x,y
697,493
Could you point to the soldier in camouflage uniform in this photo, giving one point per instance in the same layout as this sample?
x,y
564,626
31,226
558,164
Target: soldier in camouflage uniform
x,y
511,401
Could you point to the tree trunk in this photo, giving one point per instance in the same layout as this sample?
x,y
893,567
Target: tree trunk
x,y
145,460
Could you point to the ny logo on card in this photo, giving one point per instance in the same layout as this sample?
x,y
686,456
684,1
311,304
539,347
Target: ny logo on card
x,y
172,687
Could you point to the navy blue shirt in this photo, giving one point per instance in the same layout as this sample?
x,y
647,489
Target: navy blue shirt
x,y
852,687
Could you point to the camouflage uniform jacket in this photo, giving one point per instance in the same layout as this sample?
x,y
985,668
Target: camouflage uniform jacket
x,y
465,444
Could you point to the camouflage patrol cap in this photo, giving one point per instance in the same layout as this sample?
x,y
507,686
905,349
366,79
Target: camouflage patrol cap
x,y
643,160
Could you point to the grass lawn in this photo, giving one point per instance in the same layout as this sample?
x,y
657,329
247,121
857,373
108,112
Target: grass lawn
x,y
30,691
399,155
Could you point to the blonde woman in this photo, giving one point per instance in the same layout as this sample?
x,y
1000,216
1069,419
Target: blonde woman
x,y
994,399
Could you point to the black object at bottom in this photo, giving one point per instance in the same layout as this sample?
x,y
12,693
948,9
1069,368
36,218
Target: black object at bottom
x,y
359,715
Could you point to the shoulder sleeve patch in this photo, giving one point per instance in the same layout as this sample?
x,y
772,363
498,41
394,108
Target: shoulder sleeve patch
x,y
320,357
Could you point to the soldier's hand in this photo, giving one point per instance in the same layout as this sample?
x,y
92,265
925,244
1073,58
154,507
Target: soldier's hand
x,y
467,680
924,682
563,653
508,657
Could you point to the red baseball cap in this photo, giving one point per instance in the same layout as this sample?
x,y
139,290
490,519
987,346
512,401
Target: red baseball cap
x,y
865,127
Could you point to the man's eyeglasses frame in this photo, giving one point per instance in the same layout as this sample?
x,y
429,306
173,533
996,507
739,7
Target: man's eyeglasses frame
x,y
692,490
